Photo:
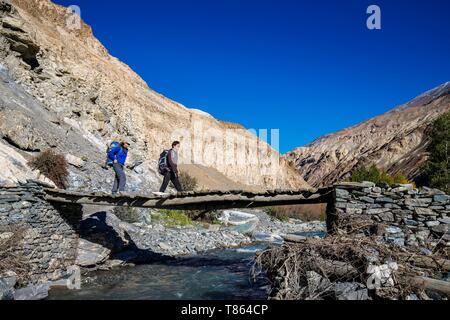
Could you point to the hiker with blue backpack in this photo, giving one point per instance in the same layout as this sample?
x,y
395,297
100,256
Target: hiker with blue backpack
x,y
117,156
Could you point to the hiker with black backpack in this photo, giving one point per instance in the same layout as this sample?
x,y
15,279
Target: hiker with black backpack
x,y
168,167
117,156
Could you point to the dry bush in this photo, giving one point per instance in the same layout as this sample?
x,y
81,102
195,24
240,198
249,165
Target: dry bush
x,y
188,182
340,259
10,258
306,212
345,256
52,165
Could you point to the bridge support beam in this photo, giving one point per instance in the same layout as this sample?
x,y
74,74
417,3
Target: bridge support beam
x,y
197,201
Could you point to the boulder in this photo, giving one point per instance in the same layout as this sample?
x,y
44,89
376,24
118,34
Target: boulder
x,y
7,285
165,246
90,254
32,292
317,285
242,222
350,291
75,161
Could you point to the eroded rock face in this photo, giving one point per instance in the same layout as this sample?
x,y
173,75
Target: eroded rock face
x,y
395,141
61,89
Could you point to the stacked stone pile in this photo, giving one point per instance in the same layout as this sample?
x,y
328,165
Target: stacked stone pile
x,y
410,217
48,241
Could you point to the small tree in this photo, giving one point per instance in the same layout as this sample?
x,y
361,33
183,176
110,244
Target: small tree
x,y
437,168
371,173
376,175
53,166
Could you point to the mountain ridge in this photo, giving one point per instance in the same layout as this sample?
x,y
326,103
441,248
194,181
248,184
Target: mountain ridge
x,y
83,89
395,141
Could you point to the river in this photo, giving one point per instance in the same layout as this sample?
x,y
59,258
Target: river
x,y
218,275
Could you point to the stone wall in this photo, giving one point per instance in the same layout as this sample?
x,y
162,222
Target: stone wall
x,y
404,216
50,232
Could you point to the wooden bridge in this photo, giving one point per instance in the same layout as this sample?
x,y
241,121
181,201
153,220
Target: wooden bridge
x,y
211,200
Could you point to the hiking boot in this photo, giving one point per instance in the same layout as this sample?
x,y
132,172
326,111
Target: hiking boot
x,y
161,194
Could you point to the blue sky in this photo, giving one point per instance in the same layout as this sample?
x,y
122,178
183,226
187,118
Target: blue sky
x,y
308,68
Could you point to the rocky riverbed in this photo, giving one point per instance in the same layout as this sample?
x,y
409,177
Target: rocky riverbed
x,y
194,262
110,244
107,241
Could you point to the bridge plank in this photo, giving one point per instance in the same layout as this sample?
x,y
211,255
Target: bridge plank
x,y
210,200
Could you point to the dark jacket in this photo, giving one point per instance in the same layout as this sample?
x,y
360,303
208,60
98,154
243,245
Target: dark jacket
x,y
118,153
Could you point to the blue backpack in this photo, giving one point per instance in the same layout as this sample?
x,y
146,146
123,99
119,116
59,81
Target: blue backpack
x,y
113,145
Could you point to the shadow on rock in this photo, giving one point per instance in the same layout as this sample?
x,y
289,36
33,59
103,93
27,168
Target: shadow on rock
x,y
104,238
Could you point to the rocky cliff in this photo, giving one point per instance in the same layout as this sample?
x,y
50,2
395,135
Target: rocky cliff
x,y
396,141
61,89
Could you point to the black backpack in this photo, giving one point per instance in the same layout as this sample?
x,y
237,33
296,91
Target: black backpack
x,y
163,164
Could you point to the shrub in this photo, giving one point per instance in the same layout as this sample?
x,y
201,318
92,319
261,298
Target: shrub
x,y
173,218
202,215
186,217
188,182
126,214
52,165
377,175
437,168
